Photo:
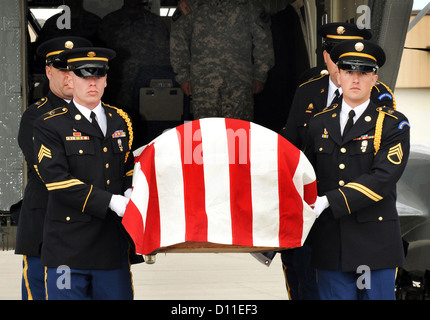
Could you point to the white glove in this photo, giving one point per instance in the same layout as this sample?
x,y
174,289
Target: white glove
x,y
118,203
320,205
127,193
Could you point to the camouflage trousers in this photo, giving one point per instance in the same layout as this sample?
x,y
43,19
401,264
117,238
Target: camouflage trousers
x,y
228,100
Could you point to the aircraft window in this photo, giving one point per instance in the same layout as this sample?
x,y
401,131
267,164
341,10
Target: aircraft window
x,y
41,15
167,12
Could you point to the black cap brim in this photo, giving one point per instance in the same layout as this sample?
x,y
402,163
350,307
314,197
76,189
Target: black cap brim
x,y
91,71
357,66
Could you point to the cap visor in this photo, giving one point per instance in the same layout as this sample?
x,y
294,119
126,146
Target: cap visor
x,y
357,66
90,72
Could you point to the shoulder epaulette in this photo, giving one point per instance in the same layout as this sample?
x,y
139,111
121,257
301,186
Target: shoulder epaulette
x,y
388,111
55,112
327,109
127,120
315,78
41,102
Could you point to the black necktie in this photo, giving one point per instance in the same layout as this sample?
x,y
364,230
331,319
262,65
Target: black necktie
x,y
336,96
95,123
349,123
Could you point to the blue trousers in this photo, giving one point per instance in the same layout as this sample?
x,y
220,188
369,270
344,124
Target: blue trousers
x,y
33,279
64,283
338,285
300,277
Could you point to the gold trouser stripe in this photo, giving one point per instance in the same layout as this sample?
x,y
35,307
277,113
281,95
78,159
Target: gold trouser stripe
x,y
85,203
46,284
63,184
25,275
364,190
284,268
346,201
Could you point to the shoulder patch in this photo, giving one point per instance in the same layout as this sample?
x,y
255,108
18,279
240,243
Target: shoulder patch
x,y
56,112
388,94
385,95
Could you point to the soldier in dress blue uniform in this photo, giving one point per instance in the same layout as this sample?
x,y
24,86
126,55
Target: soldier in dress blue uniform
x,y
319,91
359,151
310,98
83,155
32,214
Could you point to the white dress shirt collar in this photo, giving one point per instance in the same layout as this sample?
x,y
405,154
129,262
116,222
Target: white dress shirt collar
x,y
100,114
343,117
331,91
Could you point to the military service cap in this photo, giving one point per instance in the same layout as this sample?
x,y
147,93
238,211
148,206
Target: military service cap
x,y
335,32
89,61
51,49
361,55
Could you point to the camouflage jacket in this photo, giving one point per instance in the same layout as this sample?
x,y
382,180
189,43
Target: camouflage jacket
x,y
221,38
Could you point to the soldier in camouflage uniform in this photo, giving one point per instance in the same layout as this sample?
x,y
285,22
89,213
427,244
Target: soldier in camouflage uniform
x,y
140,39
221,52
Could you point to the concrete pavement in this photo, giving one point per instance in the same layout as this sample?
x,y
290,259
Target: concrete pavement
x,y
182,276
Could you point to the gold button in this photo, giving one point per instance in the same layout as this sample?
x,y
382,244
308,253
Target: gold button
x,y
305,125
107,165
105,149
67,218
107,182
81,151
380,218
343,150
341,166
341,183
78,117
321,149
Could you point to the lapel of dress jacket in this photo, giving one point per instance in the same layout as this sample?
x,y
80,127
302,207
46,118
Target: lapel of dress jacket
x,y
112,121
332,125
320,99
55,101
363,124
82,124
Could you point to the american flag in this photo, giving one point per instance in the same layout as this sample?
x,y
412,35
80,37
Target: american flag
x,y
222,181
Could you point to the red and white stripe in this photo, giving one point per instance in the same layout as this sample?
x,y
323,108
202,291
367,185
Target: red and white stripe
x,y
223,181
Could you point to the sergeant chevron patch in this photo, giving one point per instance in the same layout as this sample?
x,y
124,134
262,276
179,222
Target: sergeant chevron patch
x,y
395,154
44,152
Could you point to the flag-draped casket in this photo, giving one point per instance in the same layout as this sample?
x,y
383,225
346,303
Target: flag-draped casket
x,y
220,181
